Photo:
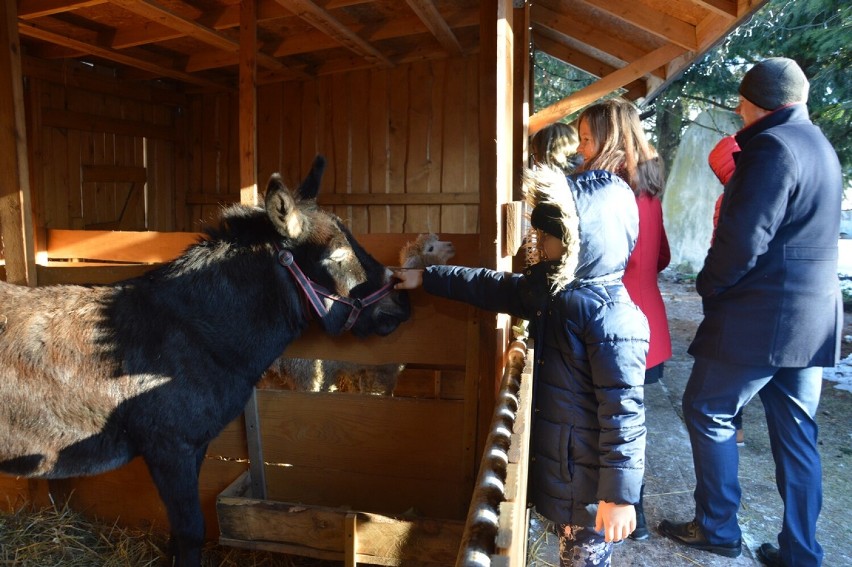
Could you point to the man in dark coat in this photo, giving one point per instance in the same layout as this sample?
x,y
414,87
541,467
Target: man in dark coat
x,y
772,317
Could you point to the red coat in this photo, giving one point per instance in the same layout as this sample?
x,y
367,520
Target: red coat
x,y
650,256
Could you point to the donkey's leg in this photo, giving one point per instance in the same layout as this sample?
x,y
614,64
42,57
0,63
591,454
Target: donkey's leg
x,y
176,478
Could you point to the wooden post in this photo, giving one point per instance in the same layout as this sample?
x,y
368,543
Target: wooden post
x,y
248,102
521,101
350,551
495,174
15,205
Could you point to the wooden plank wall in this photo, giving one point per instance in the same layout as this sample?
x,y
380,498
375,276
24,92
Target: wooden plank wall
x,y
402,145
91,137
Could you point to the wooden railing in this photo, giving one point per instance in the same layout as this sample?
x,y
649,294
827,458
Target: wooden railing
x,y
496,527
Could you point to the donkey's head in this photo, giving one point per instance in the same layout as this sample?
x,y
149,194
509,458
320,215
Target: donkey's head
x,y
346,286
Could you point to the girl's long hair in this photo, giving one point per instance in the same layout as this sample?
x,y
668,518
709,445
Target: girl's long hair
x,y
622,146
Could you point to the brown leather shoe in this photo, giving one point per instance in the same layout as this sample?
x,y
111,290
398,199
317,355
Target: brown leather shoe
x,y
769,555
691,535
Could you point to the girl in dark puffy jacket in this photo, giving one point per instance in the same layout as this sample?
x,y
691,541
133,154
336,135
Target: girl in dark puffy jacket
x,y
612,139
590,342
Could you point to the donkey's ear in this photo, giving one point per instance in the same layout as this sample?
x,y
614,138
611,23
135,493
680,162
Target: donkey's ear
x,y
311,185
281,208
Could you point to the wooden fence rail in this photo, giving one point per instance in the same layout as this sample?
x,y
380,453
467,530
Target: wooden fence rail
x,y
496,527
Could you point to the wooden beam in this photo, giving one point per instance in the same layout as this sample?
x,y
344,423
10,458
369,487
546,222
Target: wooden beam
x,y
163,16
521,105
190,28
568,23
326,23
85,122
643,17
725,8
571,56
16,223
316,40
248,102
429,15
606,85
73,73
30,9
379,199
109,54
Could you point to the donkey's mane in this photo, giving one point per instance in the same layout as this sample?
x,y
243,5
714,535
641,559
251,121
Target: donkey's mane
x,y
243,224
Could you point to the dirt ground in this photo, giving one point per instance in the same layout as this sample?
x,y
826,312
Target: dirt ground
x,y
669,473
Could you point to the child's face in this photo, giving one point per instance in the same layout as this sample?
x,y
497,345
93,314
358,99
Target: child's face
x,y
588,147
551,246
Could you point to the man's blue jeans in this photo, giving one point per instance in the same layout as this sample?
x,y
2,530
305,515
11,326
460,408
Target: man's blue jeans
x,y
714,394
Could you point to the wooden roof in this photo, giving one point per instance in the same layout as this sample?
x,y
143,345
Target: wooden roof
x,y
636,44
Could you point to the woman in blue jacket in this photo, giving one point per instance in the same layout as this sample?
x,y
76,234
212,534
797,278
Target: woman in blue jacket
x,y
588,436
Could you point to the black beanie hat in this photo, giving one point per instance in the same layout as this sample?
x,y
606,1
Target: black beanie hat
x,y
775,82
548,217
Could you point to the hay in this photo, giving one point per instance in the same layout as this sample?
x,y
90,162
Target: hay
x,y
59,536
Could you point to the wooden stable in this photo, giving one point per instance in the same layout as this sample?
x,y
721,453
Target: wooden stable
x,y
147,116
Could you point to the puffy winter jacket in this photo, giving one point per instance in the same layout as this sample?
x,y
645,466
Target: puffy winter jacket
x,y
588,436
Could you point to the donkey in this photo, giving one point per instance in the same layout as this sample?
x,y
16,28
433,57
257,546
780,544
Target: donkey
x,y
309,375
156,366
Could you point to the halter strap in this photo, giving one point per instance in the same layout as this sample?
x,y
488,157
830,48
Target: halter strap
x,y
313,291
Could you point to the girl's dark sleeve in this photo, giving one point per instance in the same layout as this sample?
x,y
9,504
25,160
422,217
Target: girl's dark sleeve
x,y
502,292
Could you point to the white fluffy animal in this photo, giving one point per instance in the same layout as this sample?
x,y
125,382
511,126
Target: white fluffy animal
x,y
308,375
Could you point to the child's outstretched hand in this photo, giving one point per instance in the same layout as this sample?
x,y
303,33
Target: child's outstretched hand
x,y
409,278
616,521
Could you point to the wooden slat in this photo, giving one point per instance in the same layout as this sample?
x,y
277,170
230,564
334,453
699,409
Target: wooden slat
x,y
29,9
81,273
120,246
129,496
247,135
89,122
569,22
36,32
296,431
415,341
165,17
14,493
255,447
322,20
659,24
428,13
591,93
729,9
15,222
317,531
113,174
76,75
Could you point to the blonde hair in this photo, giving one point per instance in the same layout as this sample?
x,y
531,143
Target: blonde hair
x,y
554,145
623,148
